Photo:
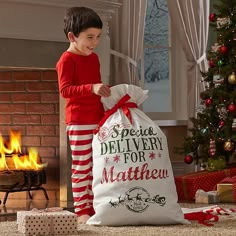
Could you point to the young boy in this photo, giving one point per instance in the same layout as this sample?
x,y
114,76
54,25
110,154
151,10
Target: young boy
x,y
80,84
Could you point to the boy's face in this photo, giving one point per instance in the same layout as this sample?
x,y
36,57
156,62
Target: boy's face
x,y
87,40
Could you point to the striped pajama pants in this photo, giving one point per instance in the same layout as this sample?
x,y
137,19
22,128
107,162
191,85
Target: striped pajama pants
x,y
80,138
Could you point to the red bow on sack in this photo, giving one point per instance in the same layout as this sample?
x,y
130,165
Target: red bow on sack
x,y
121,104
202,217
230,180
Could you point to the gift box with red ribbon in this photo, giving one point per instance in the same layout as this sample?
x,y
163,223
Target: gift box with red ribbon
x,y
188,184
227,190
51,221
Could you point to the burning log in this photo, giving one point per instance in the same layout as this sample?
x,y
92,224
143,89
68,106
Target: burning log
x,y
11,178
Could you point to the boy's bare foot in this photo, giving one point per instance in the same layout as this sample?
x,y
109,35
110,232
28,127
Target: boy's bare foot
x,y
83,219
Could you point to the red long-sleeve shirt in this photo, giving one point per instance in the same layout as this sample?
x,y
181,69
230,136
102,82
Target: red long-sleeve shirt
x,y
76,75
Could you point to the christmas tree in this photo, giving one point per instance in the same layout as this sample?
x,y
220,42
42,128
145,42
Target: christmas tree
x,y
212,136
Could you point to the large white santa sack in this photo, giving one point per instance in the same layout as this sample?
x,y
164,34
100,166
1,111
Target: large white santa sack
x,y
133,182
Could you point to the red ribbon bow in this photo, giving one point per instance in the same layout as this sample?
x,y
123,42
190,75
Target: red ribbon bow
x,y
124,105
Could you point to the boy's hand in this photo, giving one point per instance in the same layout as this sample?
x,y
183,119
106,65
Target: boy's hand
x,y
101,90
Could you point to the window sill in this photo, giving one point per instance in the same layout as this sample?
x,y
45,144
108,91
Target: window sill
x,y
171,122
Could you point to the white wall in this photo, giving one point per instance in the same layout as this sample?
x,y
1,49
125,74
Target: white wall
x,y
31,21
43,20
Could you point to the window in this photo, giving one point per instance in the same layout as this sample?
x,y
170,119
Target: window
x,y
156,57
162,66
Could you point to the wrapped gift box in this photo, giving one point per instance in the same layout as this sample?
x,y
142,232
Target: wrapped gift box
x,y
188,184
46,222
225,192
211,197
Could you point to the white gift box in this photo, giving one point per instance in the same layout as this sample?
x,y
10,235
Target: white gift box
x,y
47,222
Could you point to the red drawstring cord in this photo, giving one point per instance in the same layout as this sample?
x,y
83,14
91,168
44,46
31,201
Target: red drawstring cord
x,y
201,217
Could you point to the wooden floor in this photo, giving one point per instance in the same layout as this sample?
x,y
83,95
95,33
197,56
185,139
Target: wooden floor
x,y
9,210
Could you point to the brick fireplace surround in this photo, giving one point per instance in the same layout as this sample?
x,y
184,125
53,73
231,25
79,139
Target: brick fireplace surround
x,y
29,103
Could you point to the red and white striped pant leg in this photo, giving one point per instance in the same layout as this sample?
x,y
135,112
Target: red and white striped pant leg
x,y
80,137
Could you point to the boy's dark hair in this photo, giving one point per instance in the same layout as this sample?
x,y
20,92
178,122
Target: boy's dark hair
x,y
78,19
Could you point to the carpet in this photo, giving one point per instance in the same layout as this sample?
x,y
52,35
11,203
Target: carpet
x,y
226,226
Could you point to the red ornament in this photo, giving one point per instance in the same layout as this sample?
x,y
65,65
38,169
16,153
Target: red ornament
x,y
212,17
232,107
212,152
223,50
221,123
208,102
188,159
211,63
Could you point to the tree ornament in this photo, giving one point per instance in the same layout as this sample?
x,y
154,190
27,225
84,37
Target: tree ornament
x,y
221,109
200,108
208,102
217,80
211,63
232,78
223,50
228,145
223,22
215,47
220,63
204,131
188,159
232,107
221,123
212,17
212,148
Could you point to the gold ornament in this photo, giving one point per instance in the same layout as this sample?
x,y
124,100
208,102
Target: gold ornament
x,y
232,78
228,146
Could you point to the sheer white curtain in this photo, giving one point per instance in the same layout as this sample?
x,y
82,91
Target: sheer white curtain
x,y
127,34
189,20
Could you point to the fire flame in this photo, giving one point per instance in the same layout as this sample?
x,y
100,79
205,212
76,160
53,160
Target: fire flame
x,y
11,157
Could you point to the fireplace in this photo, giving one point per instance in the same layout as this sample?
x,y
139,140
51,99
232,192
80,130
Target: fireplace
x,y
29,104
29,96
20,171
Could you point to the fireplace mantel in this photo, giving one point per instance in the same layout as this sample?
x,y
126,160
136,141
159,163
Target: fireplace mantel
x,y
43,19
101,5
